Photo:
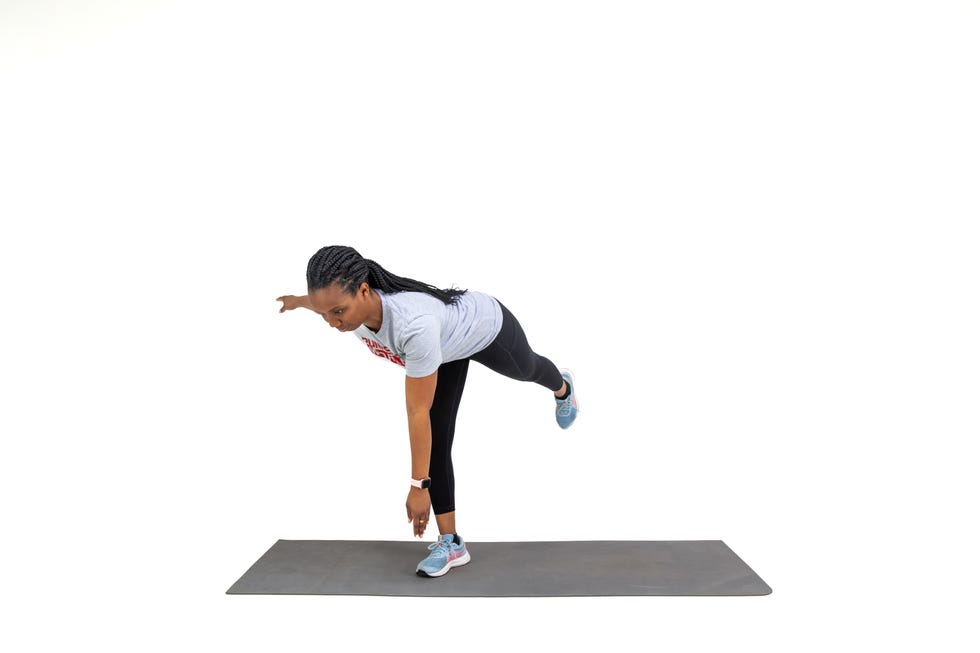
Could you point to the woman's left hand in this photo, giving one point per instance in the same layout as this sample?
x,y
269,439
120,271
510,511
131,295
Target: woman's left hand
x,y
418,505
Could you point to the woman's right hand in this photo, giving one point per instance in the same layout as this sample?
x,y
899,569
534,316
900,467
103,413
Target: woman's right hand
x,y
289,302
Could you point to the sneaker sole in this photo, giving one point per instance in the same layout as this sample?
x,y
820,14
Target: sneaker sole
x,y
569,372
458,562
578,404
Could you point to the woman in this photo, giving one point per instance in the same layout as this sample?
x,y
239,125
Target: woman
x,y
433,334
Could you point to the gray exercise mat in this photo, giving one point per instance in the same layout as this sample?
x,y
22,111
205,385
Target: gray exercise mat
x,y
564,568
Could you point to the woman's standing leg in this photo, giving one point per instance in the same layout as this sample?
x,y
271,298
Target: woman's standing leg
x,y
442,417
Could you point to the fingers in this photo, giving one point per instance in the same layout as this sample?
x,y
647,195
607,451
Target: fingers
x,y
418,516
418,524
283,299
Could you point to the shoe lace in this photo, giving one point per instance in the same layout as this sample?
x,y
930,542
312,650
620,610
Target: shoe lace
x,y
442,545
565,406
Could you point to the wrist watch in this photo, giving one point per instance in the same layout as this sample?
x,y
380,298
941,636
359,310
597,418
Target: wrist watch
x,y
422,483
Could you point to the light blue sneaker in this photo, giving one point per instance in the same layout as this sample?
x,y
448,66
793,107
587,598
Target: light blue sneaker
x,y
567,409
446,554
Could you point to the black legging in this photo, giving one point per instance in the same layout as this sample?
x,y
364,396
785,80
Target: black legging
x,y
510,355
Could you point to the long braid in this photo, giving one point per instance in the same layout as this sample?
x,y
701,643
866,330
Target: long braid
x,y
345,266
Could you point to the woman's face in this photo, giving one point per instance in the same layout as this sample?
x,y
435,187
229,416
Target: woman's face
x,y
342,311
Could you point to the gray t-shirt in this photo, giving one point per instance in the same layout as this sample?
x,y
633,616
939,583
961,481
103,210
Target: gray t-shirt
x,y
421,332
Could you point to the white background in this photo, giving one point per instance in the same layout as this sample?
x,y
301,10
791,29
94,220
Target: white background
x,y
746,227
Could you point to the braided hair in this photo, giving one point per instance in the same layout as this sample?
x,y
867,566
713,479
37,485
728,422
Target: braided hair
x,y
344,266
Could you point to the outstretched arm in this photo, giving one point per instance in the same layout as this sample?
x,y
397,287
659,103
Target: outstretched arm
x,y
289,302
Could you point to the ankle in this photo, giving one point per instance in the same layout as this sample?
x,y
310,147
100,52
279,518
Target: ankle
x,y
563,392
